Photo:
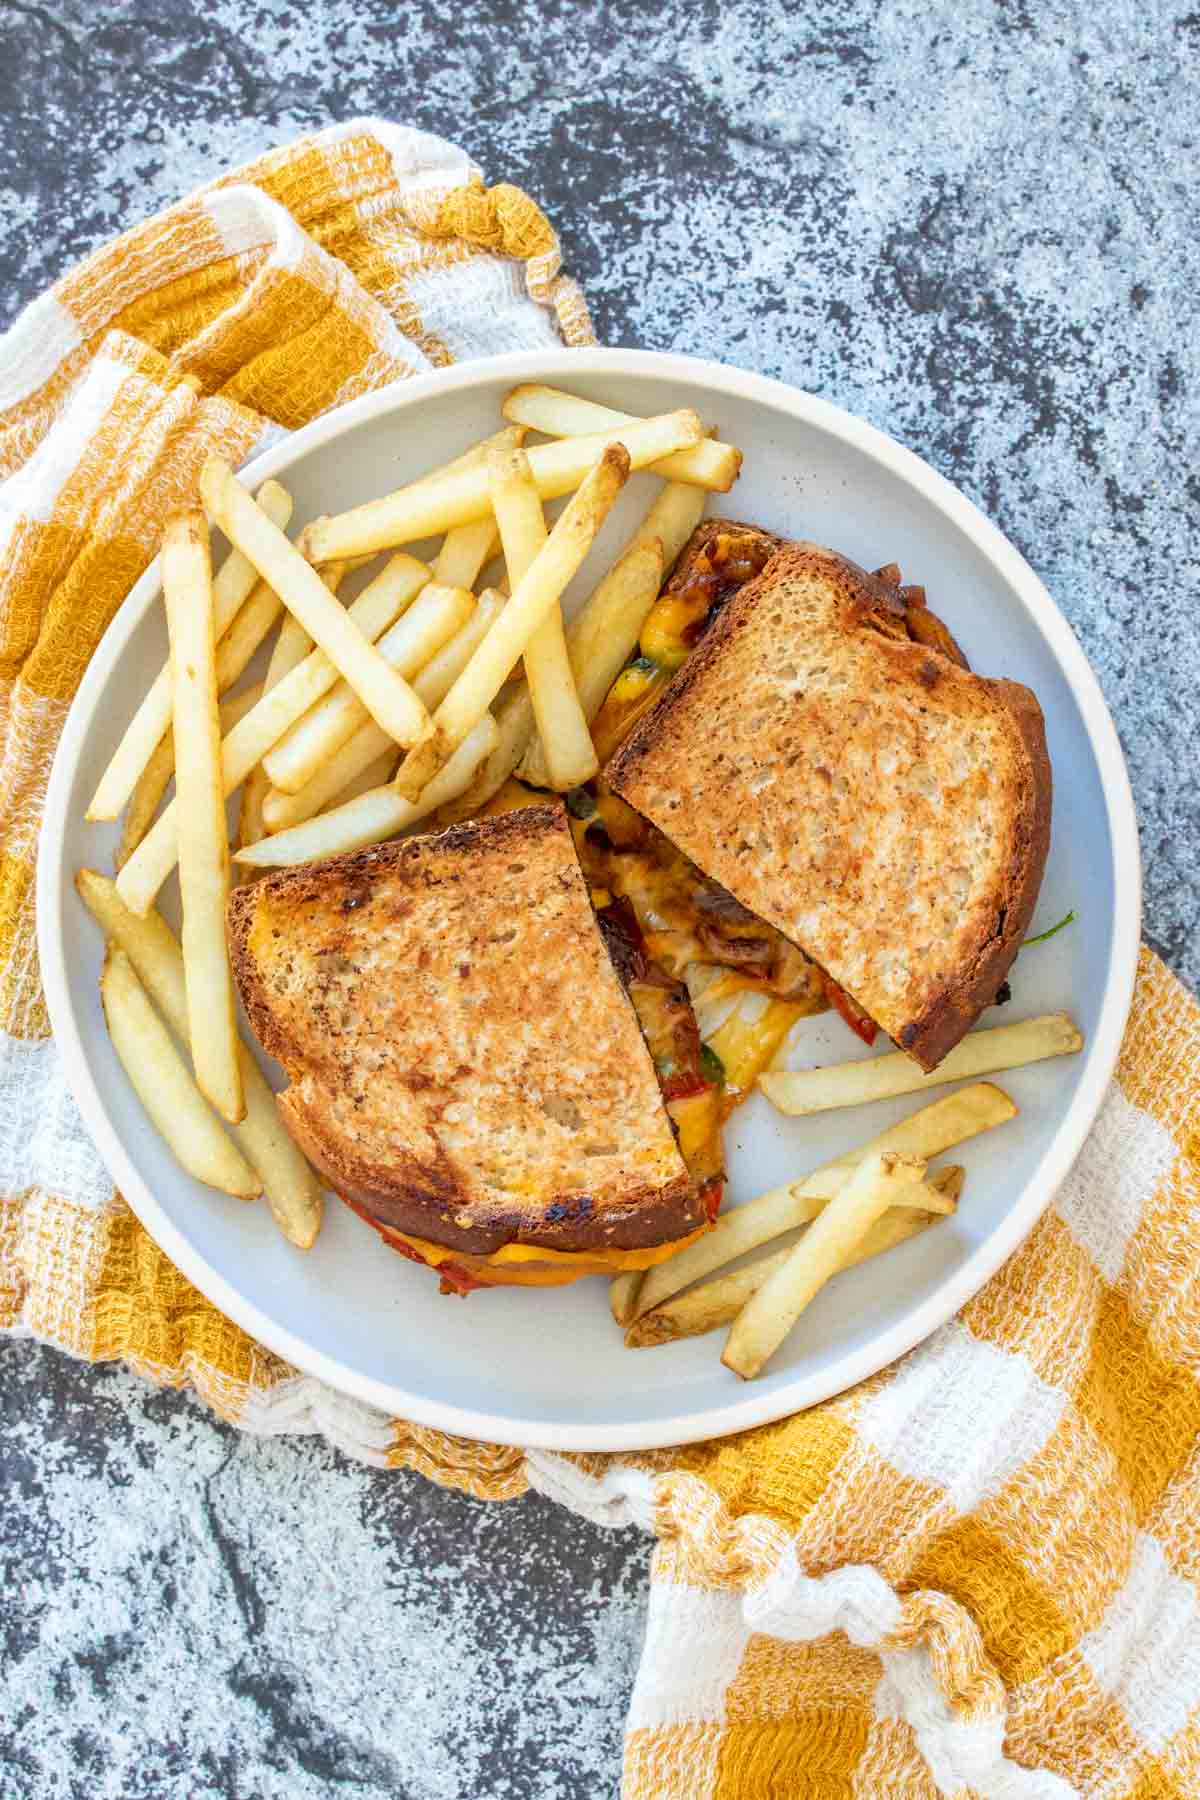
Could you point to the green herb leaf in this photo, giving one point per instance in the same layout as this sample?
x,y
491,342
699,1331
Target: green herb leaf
x,y
711,1066
1067,919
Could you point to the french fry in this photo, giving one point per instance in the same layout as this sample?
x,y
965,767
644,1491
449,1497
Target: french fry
x,y
251,823
238,647
232,656
251,739
387,697
468,548
369,744
464,551
605,631
257,785
672,519
155,777
441,672
513,714
949,1181
715,1303
162,1083
234,707
604,635
264,607
548,574
431,506
568,753
292,644
374,816
509,437
884,1077
622,1296
768,1216
517,506
144,801
829,1242
376,774
291,1188
926,1133
232,713
149,943
200,803
434,617
560,415
232,586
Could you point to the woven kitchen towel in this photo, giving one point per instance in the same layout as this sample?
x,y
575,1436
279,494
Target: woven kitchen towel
x,y
978,1573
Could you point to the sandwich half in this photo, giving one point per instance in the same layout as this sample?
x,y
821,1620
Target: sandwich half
x,y
826,756
465,1063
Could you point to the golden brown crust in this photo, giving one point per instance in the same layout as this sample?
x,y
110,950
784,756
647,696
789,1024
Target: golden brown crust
x,y
462,1059
879,804
950,1015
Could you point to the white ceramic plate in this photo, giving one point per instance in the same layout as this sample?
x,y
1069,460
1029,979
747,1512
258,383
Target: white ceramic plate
x,y
549,1369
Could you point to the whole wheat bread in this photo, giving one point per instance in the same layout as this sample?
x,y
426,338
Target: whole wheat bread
x,y
863,792
463,1060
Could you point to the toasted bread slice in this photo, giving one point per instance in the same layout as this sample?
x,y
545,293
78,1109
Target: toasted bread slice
x,y
464,1062
866,794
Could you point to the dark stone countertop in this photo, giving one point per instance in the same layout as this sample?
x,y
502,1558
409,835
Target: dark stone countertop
x,y
971,223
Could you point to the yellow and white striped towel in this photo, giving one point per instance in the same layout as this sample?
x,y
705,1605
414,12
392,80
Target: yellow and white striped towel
x,y
978,1573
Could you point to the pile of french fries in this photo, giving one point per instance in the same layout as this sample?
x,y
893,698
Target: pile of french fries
x,y
864,1203
422,696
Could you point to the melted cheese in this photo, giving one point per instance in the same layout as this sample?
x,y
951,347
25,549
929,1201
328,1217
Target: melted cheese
x,y
559,1265
746,1048
510,798
698,1117
665,635
633,693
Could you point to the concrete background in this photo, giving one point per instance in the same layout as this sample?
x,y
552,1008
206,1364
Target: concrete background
x,y
969,221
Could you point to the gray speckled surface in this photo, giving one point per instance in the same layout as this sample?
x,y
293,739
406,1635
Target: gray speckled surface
x,y
972,223
191,1612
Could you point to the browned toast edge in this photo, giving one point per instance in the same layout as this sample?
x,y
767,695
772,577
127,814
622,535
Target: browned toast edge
x,y
952,1014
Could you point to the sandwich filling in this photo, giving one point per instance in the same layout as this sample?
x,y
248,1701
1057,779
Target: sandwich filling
x,y
518,1265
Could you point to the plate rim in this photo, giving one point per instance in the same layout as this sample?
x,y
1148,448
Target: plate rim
x,y
749,1406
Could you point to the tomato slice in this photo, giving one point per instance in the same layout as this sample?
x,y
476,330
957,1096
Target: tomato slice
x,y
711,1195
858,1021
455,1280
